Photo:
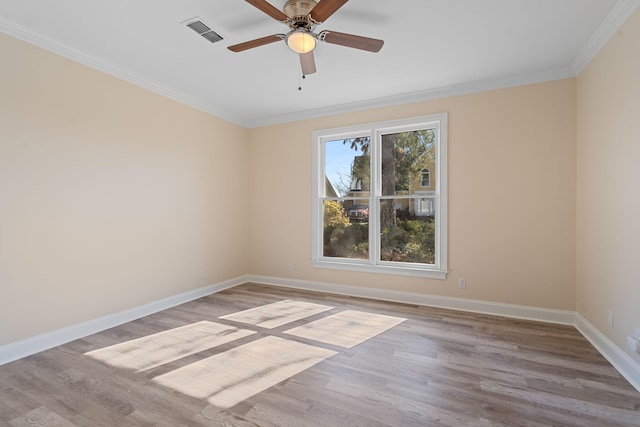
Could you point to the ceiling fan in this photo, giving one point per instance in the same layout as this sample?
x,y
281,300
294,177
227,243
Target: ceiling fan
x,y
302,16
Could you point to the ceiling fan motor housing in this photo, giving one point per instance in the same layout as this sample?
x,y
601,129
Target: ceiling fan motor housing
x,y
298,12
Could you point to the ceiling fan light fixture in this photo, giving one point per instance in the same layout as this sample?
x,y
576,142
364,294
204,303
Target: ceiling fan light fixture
x,y
301,41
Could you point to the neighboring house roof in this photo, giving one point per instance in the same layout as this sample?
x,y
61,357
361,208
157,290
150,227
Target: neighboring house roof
x,y
329,189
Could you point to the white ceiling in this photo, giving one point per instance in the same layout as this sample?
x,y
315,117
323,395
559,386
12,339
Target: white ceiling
x,y
432,48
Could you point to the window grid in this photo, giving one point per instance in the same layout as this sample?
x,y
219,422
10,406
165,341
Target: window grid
x,y
431,203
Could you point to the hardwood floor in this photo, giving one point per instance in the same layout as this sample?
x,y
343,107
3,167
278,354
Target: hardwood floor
x,y
436,368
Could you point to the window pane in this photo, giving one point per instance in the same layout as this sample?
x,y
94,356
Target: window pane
x,y
425,206
405,234
426,178
404,157
346,237
380,197
347,167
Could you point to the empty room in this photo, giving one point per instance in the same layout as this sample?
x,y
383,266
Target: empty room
x,y
320,213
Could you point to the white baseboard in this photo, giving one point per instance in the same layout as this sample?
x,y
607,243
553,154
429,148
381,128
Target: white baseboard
x,y
475,306
20,349
628,368
621,361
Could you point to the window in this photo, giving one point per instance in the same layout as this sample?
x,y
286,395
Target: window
x,y
380,197
425,206
426,178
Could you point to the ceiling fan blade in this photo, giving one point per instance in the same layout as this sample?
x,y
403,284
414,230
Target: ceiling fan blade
x,y
256,43
324,9
308,63
349,40
269,10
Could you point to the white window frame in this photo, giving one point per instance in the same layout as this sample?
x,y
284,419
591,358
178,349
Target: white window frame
x,y
438,270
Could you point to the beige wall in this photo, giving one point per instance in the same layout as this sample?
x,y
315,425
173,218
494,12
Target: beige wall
x,y
110,196
608,274
512,209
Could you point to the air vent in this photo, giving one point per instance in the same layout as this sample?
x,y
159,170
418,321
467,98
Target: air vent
x,y
212,36
203,29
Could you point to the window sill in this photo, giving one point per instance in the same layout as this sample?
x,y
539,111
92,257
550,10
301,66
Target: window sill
x,y
429,273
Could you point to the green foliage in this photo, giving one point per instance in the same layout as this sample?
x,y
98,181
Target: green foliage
x,y
407,154
359,143
411,151
351,241
361,172
410,240
334,214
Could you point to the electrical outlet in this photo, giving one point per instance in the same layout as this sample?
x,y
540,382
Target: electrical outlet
x,y
610,318
638,333
633,344
462,283
289,267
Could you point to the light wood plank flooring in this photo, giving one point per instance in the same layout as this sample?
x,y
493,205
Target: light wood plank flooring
x,y
436,368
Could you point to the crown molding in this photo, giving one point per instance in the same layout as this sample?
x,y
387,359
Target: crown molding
x,y
138,79
611,24
419,96
618,15
59,48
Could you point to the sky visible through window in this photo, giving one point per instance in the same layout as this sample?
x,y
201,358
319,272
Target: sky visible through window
x,y
338,161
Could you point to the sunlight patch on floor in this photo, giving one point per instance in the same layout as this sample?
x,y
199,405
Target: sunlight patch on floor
x,y
228,378
155,350
277,314
347,328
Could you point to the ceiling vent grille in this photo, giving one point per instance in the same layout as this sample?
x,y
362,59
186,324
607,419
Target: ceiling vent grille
x,y
203,29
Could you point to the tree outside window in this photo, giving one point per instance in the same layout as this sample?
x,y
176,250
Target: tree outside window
x,y
382,218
